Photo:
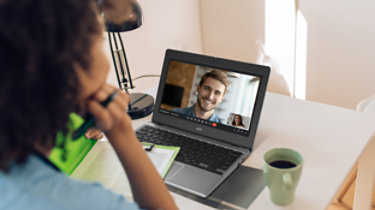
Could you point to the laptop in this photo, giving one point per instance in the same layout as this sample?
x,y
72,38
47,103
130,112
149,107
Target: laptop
x,y
211,147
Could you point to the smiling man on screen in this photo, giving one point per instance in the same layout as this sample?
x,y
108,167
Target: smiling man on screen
x,y
211,90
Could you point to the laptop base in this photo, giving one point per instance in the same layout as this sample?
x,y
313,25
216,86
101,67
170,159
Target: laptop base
x,y
239,190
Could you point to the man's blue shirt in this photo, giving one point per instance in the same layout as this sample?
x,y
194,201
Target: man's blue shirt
x,y
190,112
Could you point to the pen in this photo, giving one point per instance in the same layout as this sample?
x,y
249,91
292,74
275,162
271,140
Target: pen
x,y
91,121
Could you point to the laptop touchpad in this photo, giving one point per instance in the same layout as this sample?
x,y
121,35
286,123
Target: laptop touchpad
x,y
175,168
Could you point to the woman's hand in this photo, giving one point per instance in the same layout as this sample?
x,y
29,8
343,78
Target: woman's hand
x,y
148,188
93,133
108,119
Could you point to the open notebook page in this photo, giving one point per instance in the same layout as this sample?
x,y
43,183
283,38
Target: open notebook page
x,y
101,164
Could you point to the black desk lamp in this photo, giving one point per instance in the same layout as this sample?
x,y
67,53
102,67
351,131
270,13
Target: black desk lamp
x,y
121,16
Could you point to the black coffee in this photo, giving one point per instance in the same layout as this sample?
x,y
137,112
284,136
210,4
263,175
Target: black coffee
x,y
282,164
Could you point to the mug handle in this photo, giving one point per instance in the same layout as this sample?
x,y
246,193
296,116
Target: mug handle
x,y
288,182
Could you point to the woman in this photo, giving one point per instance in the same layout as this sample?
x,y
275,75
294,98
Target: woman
x,y
237,121
51,64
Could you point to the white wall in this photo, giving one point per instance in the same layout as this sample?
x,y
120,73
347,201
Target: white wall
x,y
340,43
229,28
340,50
167,24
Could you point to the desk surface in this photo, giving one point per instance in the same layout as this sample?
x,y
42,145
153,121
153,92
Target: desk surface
x,y
329,138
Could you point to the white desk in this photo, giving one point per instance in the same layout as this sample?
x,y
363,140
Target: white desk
x,y
329,138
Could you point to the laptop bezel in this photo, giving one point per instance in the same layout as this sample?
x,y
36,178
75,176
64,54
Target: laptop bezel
x,y
218,63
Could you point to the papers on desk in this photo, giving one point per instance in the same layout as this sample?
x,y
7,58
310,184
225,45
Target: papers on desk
x,y
161,156
102,165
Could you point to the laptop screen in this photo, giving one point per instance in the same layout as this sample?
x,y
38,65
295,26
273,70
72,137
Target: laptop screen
x,y
211,96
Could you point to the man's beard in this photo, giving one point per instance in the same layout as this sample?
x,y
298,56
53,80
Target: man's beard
x,y
201,107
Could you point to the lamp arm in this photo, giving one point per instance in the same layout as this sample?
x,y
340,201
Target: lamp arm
x,y
118,63
126,61
114,60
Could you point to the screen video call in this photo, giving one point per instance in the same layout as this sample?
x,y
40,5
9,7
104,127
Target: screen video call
x,y
211,97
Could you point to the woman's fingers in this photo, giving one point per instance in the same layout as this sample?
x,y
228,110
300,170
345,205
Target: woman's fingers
x,y
119,103
102,116
94,134
107,117
103,93
121,98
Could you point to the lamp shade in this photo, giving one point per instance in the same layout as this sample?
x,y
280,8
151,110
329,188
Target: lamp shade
x,y
121,15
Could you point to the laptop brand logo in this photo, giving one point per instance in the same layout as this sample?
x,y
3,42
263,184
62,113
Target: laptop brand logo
x,y
198,128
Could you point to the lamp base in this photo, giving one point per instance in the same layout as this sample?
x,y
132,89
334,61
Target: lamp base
x,y
141,105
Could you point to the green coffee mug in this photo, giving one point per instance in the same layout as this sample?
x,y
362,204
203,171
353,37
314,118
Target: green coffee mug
x,y
282,169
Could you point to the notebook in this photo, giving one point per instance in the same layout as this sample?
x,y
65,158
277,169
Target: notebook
x,y
161,156
213,120
75,150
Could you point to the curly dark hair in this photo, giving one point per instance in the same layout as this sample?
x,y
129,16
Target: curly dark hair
x,y
40,43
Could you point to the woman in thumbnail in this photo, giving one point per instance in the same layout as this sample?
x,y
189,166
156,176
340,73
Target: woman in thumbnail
x,y
237,121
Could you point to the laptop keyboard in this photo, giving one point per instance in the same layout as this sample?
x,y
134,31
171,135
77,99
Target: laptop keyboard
x,y
192,151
